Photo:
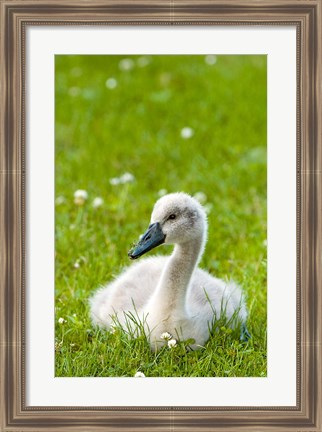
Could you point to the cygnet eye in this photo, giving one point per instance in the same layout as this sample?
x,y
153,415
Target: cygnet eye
x,y
172,216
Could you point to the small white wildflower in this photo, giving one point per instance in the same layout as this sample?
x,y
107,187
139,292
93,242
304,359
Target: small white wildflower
x,y
80,196
76,265
208,208
115,181
126,64
143,61
211,59
166,336
186,132
74,315
172,343
127,178
74,91
97,202
162,192
61,320
139,375
201,197
81,193
111,83
60,200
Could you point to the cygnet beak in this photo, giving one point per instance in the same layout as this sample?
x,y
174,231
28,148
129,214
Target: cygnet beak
x,y
152,238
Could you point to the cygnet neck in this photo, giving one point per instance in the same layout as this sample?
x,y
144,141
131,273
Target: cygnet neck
x,y
176,276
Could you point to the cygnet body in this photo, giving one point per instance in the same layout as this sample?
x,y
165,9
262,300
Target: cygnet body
x,y
170,294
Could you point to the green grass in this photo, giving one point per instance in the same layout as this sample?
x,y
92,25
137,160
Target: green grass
x,y
102,133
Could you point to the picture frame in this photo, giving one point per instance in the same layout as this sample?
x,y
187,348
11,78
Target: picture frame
x,y
16,16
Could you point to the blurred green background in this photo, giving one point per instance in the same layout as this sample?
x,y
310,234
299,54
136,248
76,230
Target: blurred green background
x,y
174,123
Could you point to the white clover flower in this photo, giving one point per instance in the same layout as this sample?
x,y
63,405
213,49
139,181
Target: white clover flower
x,y
111,83
126,64
76,265
74,91
166,336
61,321
172,343
81,193
201,197
60,200
162,192
127,178
143,61
97,202
208,208
186,132
210,59
115,181
139,375
80,196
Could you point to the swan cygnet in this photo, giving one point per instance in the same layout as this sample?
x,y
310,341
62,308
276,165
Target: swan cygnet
x,y
171,294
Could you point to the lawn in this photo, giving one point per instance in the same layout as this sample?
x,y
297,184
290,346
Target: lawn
x,y
174,123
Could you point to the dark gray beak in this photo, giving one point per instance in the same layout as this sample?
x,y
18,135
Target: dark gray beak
x,y
152,238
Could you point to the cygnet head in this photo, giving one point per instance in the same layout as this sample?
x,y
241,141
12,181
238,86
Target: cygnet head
x,y
181,218
176,218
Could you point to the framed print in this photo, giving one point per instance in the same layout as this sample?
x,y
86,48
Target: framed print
x,y
198,125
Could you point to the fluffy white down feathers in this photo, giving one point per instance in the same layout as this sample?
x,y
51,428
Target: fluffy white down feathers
x,y
170,294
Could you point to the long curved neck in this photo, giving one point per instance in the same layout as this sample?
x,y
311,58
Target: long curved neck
x,y
176,276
